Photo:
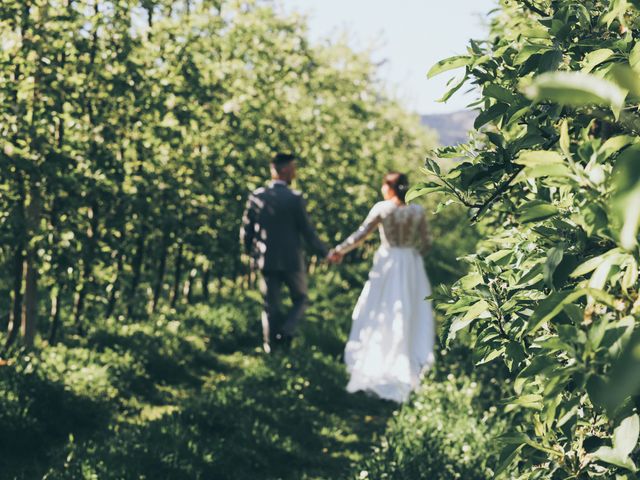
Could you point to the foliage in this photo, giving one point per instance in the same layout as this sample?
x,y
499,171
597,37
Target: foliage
x,y
131,133
165,399
133,130
554,176
445,432
188,393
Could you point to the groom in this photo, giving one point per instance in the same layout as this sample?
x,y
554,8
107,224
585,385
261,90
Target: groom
x,y
274,223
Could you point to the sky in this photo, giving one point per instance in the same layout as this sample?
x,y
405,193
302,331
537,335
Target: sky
x,y
411,35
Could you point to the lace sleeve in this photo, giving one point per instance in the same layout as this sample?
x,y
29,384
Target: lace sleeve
x,y
356,238
424,235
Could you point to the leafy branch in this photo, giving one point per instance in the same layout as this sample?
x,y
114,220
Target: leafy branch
x,y
500,190
534,9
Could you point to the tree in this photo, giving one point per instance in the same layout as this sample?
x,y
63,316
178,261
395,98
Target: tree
x,y
553,177
133,131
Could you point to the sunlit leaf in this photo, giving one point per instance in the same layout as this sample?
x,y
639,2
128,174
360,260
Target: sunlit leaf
x,y
595,58
449,64
576,89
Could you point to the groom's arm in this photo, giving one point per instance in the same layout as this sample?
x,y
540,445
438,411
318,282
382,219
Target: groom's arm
x,y
307,229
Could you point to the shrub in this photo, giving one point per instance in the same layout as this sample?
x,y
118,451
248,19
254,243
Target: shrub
x,y
444,433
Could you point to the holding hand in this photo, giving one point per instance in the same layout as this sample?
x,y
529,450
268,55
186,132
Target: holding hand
x,y
334,257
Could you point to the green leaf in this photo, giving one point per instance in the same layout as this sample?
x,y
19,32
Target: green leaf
x,y
490,114
617,336
507,456
531,277
629,232
552,306
593,263
528,51
471,280
626,78
565,140
634,57
626,199
532,401
617,10
447,64
584,14
541,163
499,93
433,166
554,258
477,310
492,355
625,437
419,191
532,158
453,89
615,144
500,256
595,58
537,211
553,171
630,277
597,388
614,457
569,410
601,274
576,89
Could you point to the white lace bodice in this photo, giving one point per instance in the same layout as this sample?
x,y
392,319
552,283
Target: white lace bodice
x,y
399,226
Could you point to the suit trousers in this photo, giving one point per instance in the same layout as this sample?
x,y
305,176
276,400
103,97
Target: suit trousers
x,y
274,321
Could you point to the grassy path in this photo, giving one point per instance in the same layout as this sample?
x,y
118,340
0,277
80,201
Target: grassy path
x,y
191,395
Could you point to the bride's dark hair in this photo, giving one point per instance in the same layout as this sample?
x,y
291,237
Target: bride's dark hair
x,y
398,182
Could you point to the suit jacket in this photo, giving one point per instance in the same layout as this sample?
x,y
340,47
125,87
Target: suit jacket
x,y
273,226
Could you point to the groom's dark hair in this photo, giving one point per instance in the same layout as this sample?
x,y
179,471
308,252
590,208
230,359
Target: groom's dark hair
x,y
281,160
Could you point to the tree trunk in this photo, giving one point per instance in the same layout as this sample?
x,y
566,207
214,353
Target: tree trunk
x,y
177,275
55,317
188,286
162,267
16,311
6,317
137,263
114,286
30,307
18,264
220,278
19,232
88,255
118,253
206,278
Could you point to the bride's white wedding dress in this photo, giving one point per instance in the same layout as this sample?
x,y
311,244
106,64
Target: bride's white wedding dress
x,y
392,335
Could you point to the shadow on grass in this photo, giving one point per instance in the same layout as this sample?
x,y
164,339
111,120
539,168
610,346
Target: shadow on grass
x,y
196,398
248,416
277,417
37,418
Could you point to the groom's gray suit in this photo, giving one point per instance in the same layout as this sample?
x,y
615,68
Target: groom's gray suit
x,y
275,223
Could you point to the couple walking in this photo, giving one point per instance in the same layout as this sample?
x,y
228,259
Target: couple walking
x,y
392,334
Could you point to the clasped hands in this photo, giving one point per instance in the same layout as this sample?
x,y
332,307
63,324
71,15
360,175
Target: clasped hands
x,y
334,257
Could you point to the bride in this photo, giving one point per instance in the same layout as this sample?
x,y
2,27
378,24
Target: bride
x,y
392,335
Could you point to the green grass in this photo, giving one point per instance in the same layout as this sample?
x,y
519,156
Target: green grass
x,y
191,395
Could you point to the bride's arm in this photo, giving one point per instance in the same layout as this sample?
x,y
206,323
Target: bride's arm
x,y
356,238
